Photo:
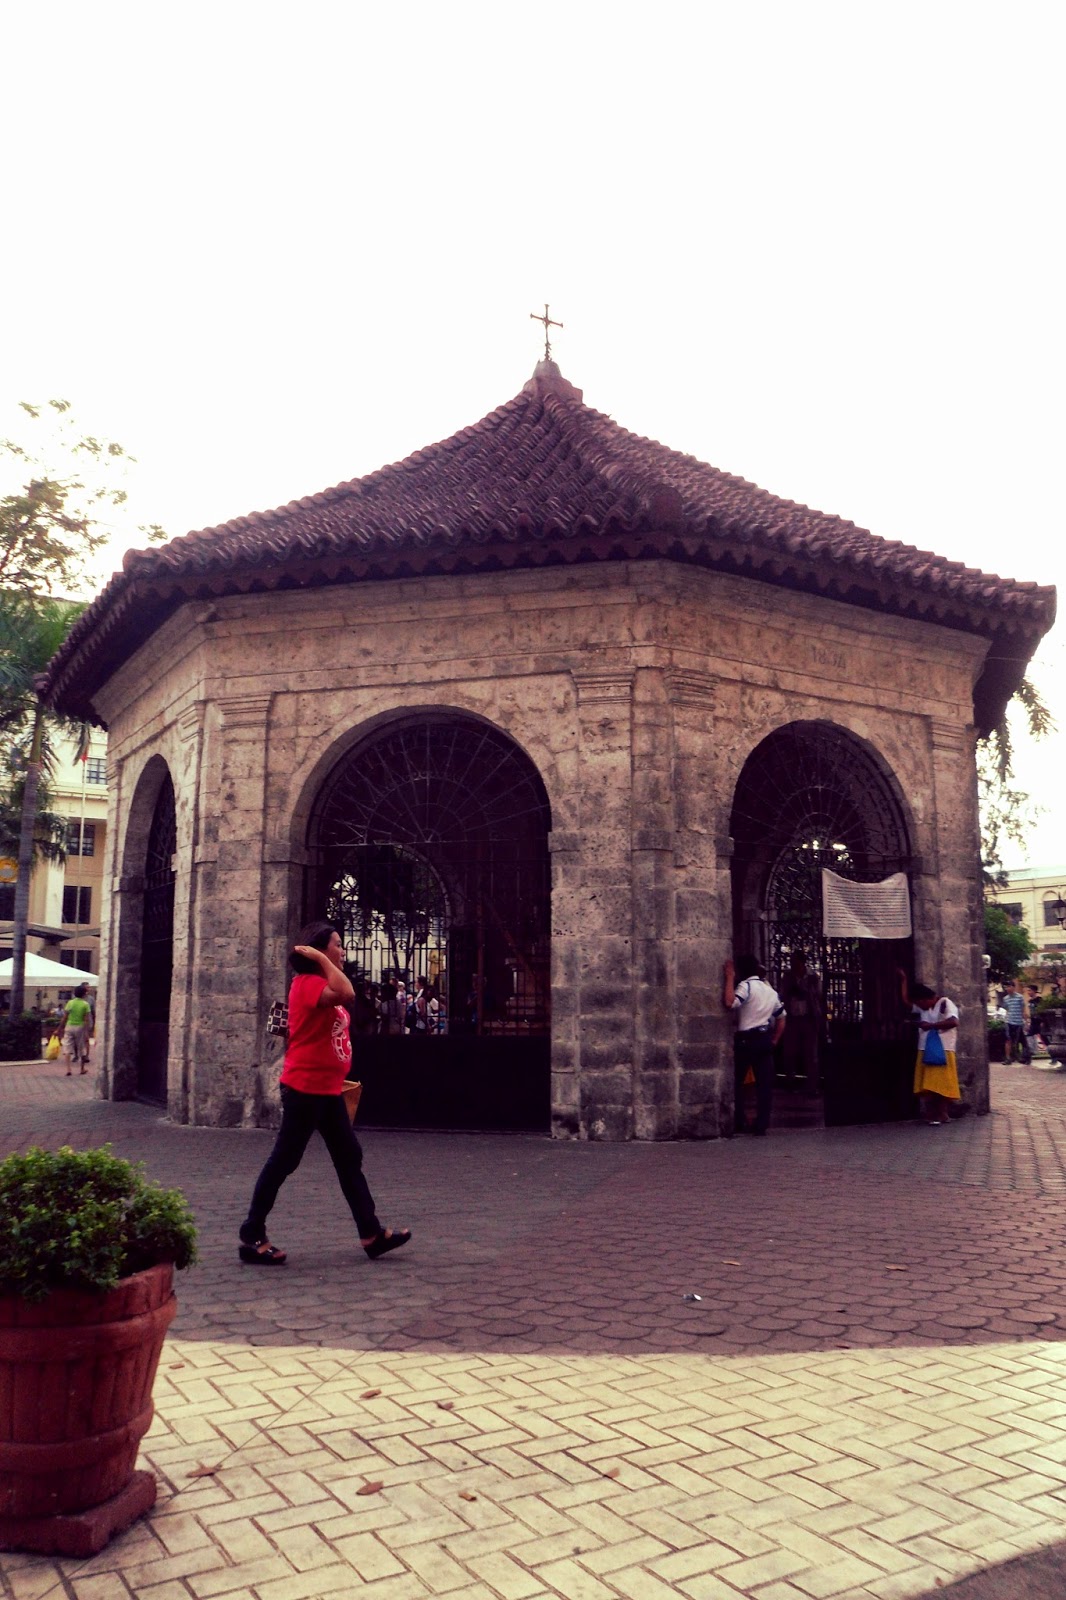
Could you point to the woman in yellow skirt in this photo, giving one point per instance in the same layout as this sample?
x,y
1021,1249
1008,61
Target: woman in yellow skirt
x,y
936,1085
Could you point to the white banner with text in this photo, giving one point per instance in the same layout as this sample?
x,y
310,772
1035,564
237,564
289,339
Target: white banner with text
x,y
865,910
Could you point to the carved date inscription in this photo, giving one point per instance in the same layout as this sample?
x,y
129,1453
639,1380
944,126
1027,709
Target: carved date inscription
x,y
824,656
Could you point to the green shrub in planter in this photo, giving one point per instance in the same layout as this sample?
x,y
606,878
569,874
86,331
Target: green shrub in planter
x,y
84,1219
20,1038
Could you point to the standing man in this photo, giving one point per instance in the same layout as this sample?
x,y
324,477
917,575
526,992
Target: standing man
x,y
77,1028
1033,1029
1017,1018
760,1024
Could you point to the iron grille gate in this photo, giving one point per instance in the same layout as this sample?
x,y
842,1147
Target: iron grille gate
x,y
810,797
431,857
157,949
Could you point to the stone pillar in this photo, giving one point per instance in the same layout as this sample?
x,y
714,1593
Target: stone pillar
x,y
604,985
655,1108
186,776
120,961
228,1004
957,966
703,911
284,865
566,953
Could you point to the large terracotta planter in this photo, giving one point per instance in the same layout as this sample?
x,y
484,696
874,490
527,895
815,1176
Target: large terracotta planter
x,y
76,1375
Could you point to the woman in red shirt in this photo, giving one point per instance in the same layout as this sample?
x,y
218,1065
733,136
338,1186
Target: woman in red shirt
x,y
317,1060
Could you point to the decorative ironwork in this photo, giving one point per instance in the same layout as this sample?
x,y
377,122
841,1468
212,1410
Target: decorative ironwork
x,y
810,797
157,948
432,850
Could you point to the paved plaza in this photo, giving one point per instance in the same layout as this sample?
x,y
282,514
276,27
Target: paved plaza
x,y
867,1400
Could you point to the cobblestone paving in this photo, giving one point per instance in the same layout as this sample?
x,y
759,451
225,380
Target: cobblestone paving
x,y
867,1400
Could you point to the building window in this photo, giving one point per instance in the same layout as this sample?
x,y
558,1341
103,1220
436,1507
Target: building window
x,y
83,834
96,769
1013,911
77,905
1053,911
82,959
7,902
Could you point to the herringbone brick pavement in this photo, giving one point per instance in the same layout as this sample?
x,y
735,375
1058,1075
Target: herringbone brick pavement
x,y
866,1401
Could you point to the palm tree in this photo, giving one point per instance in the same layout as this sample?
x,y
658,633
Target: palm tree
x,y
31,631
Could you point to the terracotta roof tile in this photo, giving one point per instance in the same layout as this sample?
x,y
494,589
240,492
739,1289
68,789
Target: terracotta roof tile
x,y
543,470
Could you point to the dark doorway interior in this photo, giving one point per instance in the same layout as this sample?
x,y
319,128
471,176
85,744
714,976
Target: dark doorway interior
x,y
431,855
810,796
157,950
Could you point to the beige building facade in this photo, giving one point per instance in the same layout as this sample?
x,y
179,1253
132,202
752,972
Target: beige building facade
x,y
578,767
67,898
1035,897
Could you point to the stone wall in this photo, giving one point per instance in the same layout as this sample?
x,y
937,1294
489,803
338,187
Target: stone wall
x,y
638,690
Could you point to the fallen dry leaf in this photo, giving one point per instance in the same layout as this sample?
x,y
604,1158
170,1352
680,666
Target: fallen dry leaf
x,y
372,1486
731,1263
370,1394
893,1268
464,1494
174,1365
445,1405
204,1472
612,1472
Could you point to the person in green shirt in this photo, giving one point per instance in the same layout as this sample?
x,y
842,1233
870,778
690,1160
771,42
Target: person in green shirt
x,y
77,1028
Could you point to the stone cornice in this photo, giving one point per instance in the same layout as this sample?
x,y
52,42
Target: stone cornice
x,y
689,688
245,711
950,736
191,721
596,688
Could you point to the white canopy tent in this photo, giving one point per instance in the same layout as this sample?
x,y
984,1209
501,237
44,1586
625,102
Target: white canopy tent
x,y
44,974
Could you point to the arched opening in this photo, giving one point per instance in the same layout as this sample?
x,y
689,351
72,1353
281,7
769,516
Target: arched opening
x,y
811,796
429,844
157,949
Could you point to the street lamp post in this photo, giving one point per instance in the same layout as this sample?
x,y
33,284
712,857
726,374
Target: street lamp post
x,y
1053,1019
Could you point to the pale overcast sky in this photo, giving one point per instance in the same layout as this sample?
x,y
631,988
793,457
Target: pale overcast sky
x,y
270,248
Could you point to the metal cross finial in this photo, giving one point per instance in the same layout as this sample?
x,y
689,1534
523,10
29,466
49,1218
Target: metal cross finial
x,y
548,323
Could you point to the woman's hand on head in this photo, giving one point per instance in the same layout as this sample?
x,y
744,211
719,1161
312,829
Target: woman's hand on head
x,y
309,951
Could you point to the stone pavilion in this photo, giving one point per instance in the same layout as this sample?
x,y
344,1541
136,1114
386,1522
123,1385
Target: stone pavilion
x,y
557,719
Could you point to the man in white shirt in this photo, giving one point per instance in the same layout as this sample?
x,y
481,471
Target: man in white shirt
x,y
760,1024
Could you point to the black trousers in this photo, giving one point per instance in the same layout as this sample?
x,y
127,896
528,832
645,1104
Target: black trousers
x,y
301,1115
1018,1039
754,1049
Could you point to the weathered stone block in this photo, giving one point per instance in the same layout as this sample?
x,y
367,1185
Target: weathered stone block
x,y
655,1083
655,1121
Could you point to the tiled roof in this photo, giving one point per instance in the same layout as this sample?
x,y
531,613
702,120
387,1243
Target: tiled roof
x,y
543,478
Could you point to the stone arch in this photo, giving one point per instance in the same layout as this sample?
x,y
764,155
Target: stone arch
x,y
813,795
144,939
308,785
427,842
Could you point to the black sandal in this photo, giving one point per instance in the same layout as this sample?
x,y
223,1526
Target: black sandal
x,y
263,1254
386,1242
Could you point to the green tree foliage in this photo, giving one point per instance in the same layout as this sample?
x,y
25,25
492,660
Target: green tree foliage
x,y
49,829
1007,945
31,631
52,522
58,489
1006,810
